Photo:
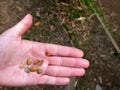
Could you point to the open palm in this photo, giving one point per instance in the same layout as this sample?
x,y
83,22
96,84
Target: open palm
x,y
57,68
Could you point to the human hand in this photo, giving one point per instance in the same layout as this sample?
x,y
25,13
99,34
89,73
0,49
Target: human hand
x,y
57,68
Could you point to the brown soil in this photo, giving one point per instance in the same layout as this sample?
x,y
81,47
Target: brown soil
x,y
105,63
112,15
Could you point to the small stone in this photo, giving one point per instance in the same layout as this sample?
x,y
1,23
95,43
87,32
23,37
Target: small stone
x,y
27,70
98,87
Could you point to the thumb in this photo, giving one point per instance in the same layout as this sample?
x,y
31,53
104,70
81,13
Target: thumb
x,y
20,27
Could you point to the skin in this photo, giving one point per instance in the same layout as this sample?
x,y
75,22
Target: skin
x,y
64,62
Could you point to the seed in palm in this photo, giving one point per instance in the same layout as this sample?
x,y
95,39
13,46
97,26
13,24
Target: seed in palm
x,y
47,54
22,64
40,63
33,68
29,61
39,71
36,61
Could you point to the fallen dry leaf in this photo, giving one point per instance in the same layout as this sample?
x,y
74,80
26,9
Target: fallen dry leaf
x,y
52,27
37,24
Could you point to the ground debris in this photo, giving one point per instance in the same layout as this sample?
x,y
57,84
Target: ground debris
x,y
98,87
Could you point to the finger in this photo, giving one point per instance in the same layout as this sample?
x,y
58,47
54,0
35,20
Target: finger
x,y
21,27
64,71
59,50
45,79
69,62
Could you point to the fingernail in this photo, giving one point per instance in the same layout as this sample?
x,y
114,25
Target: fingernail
x,y
86,63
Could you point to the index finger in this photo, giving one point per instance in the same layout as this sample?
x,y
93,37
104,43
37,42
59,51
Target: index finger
x,y
65,51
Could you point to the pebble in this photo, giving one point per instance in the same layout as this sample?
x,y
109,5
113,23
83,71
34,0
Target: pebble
x,y
98,87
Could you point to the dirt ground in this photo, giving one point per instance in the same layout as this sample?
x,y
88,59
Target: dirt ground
x,y
58,26
112,15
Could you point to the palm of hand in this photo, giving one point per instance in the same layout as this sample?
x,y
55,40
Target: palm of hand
x,y
63,63
14,52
